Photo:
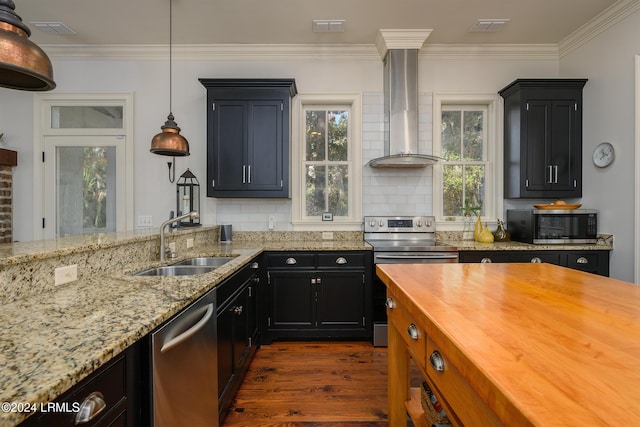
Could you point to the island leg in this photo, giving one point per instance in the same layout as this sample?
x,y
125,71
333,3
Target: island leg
x,y
398,378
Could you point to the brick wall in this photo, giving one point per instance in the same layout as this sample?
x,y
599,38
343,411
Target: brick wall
x,y
8,159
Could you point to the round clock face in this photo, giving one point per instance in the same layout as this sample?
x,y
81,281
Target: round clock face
x,y
603,155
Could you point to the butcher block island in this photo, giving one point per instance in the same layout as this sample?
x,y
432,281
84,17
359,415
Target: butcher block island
x,y
514,344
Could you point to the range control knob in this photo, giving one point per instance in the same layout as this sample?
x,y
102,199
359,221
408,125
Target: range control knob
x,y
381,223
372,222
419,223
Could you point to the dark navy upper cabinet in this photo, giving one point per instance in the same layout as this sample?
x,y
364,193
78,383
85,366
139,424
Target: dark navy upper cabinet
x,y
543,138
248,132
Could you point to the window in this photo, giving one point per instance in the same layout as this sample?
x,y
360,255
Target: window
x,y
327,166
466,136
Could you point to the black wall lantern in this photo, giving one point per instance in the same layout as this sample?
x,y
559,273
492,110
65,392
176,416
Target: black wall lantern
x,y
188,198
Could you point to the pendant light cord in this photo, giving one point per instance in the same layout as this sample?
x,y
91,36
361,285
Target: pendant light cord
x,y
170,56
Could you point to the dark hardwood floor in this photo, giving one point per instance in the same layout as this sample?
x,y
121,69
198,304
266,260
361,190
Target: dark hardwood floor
x,y
307,384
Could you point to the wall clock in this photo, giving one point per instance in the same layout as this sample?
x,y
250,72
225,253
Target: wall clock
x,y
603,155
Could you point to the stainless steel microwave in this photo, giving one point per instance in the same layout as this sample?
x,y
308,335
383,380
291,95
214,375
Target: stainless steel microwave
x,y
542,226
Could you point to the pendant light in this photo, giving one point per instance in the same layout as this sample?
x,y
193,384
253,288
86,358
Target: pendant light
x,y
23,65
169,142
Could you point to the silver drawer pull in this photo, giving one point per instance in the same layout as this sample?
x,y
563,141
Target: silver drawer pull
x,y
536,260
291,261
436,361
341,260
390,303
485,260
582,260
90,407
254,266
412,330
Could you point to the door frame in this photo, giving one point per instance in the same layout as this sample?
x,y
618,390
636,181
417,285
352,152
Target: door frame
x,y
636,239
42,128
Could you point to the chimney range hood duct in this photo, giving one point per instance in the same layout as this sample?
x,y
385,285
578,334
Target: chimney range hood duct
x,y
401,111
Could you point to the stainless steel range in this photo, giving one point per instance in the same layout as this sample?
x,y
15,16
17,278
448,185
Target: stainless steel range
x,y
401,240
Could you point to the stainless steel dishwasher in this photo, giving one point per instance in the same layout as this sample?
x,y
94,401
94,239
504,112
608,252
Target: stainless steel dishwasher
x,y
185,375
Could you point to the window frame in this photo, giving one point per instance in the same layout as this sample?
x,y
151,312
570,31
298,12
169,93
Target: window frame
x,y
494,155
301,103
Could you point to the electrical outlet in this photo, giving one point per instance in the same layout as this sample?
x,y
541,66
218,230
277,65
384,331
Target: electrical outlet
x,y
327,235
145,221
272,222
66,274
189,243
172,246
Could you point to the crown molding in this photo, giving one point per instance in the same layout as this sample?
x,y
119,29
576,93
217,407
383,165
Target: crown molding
x,y
400,39
602,22
232,52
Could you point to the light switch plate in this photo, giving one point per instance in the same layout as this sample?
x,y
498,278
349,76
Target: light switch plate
x,y
66,274
189,243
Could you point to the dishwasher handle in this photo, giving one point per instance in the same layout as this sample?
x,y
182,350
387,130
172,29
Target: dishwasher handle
x,y
174,342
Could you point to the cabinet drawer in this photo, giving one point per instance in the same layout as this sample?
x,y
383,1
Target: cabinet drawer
x,y
290,260
341,260
583,261
550,257
484,256
414,336
457,393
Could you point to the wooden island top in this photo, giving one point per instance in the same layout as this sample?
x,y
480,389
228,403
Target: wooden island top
x,y
536,344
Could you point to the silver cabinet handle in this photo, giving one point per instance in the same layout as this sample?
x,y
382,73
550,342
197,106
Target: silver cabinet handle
x,y
174,342
536,260
436,361
90,407
390,303
555,173
291,261
341,260
412,330
582,260
249,174
244,174
485,260
254,266
237,310
550,174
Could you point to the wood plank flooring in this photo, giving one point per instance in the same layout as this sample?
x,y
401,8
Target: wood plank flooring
x,y
308,384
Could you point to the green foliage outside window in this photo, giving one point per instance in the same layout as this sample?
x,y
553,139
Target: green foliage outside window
x,y
326,162
464,171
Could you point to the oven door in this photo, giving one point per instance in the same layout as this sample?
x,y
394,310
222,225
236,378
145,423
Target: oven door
x,y
415,257
380,290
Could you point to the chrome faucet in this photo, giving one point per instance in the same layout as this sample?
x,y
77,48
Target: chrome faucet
x,y
163,250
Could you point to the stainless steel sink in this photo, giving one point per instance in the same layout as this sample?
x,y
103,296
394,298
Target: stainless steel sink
x,y
176,270
209,261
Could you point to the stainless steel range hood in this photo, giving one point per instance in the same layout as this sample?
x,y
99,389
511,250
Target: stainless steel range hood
x,y
401,108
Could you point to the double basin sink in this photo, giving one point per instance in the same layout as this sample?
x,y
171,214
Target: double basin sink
x,y
187,267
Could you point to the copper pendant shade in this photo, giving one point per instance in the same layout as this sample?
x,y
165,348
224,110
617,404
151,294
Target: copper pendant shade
x,y
169,142
23,65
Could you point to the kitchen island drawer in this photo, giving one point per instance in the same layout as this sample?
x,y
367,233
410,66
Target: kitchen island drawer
x,y
414,336
290,260
455,391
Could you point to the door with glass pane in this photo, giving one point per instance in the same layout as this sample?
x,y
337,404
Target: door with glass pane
x,y
83,187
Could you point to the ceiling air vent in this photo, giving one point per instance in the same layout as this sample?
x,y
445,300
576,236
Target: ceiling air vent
x,y
488,25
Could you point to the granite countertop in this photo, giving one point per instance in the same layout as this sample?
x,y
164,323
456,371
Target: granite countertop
x,y
54,339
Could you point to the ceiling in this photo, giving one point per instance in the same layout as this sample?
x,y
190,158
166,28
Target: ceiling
x,y
210,22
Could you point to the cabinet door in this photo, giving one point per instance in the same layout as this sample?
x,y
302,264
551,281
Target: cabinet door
x,y
341,300
241,309
225,347
226,168
291,301
265,160
564,150
536,134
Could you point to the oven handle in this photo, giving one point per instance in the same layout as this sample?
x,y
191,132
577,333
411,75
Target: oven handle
x,y
434,256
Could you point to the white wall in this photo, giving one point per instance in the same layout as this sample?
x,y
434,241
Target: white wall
x,y
438,72
608,61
